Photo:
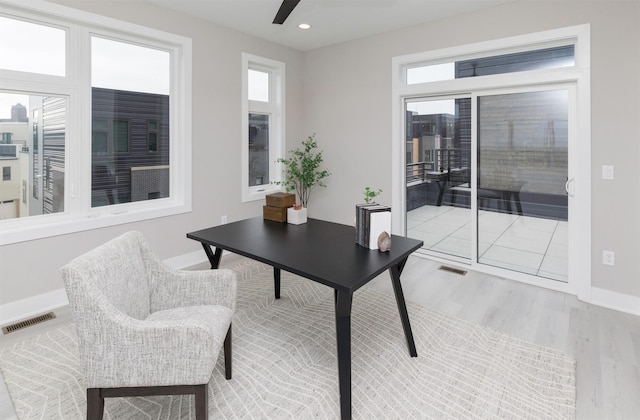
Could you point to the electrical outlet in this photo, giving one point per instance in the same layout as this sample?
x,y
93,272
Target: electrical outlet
x,y
608,258
607,171
223,220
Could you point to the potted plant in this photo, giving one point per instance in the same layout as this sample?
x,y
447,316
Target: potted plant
x,y
370,194
373,222
301,170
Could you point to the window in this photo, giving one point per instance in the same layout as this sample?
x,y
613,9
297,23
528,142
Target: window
x,y
6,173
258,85
258,149
152,136
26,46
126,160
546,58
263,122
109,136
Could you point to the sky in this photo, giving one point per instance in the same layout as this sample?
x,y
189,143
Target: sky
x,y
8,100
445,106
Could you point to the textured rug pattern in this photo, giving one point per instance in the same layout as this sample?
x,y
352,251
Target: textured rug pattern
x,y
285,365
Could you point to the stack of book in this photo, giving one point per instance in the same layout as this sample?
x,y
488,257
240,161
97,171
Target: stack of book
x,y
371,221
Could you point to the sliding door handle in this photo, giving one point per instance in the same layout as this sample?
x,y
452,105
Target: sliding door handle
x,y
569,187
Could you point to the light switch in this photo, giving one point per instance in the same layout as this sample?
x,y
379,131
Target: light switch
x,y
607,171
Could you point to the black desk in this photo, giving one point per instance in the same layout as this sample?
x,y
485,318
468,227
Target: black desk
x,y
324,252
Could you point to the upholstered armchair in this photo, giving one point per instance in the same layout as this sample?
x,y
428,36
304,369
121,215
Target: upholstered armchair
x,y
145,328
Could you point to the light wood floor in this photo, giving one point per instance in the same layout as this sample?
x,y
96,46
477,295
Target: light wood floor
x,y
605,343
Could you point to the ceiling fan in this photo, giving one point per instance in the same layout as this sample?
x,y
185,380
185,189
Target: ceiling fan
x,y
287,6
285,10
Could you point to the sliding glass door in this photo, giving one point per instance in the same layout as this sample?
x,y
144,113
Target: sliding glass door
x,y
522,172
486,178
438,157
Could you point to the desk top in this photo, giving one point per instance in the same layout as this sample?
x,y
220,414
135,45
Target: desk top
x,y
322,251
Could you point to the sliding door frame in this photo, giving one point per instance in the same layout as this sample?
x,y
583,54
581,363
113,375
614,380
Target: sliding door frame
x,y
576,78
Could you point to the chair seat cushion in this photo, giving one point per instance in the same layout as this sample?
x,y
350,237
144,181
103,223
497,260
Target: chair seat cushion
x,y
215,318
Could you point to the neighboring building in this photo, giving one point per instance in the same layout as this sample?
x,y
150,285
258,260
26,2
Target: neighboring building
x,y
130,146
13,158
19,113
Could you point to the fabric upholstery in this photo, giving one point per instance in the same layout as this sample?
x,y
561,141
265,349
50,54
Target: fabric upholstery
x,y
142,323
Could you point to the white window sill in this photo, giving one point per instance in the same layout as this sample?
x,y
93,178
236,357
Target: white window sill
x,y
38,227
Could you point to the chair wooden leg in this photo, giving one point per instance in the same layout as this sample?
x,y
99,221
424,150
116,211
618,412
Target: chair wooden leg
x,y
95,404
227,354
202,402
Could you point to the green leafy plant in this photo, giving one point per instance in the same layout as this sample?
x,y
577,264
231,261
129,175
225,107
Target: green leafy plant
x,y
370,195
301,170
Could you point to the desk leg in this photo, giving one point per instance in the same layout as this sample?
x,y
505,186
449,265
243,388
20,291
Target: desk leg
x,y
402,307
214,259
343,340
276,281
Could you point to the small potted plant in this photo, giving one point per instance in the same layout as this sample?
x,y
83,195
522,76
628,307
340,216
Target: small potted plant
x,y
301,170
373,222
370,195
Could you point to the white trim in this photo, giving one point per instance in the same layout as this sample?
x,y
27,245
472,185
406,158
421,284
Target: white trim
x,y
54,226
496,272
186,260
78,215
35,305
22,309
616,301
275,108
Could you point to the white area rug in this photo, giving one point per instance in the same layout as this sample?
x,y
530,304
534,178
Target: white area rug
x,y
284,365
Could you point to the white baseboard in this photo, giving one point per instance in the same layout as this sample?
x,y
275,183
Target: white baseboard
x,y
26,308
186,260
614,300
22,309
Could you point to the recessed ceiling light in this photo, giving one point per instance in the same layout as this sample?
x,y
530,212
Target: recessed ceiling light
x,y
304,26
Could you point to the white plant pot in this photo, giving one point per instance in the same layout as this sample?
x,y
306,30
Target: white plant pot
x,y
296,217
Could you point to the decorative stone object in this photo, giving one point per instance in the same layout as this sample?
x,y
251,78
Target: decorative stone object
x,y
384,242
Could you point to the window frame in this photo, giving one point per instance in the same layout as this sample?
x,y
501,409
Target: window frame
x,y
75,85
275,108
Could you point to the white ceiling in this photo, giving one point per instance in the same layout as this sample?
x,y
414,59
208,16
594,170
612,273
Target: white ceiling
x,y
333,21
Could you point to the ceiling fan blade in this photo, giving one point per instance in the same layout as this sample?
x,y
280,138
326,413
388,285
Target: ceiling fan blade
x,y
285,10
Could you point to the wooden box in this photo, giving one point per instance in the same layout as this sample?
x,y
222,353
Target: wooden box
x,y
276,214
281,199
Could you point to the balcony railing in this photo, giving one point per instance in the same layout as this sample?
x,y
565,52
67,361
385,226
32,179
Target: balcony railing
x,y
449,164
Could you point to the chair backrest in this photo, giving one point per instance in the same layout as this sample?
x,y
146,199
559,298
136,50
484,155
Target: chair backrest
x,y
113,274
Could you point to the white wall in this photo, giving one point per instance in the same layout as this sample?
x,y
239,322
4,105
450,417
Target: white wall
x,y
343,93
30,268
356,129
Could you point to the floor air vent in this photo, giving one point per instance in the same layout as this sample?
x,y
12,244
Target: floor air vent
x,y
452,270
28,322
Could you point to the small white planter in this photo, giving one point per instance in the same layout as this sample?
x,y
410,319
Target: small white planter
x,y
296,217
